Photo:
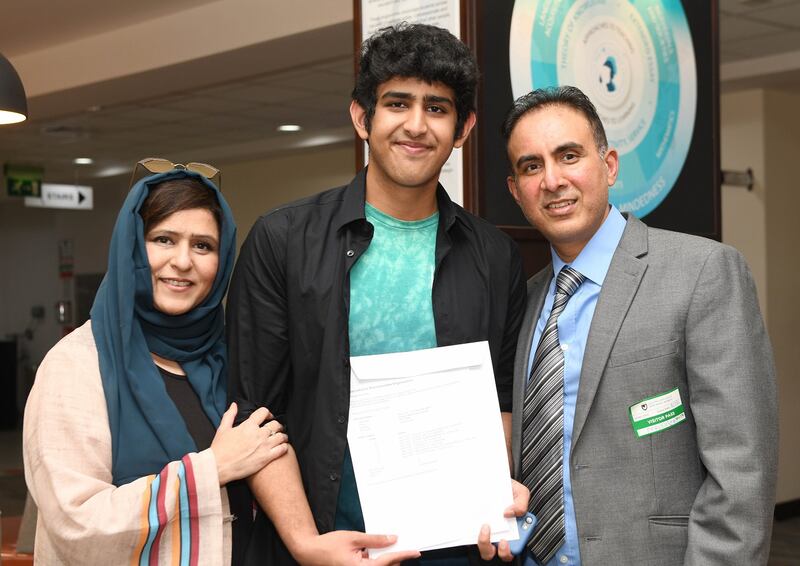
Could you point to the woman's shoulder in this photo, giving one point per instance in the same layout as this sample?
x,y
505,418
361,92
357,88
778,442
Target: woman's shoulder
x,y
67,394
79,342
71,361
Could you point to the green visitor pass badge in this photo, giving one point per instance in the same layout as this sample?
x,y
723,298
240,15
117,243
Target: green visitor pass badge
x,y
657,413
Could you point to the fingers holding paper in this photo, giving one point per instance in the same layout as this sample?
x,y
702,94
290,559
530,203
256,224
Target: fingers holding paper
x,y
488,550
521,497
518,508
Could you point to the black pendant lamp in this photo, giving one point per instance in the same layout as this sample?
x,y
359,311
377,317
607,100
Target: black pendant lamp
x,y
13,104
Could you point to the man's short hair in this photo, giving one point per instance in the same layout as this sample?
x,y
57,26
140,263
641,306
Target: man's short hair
x,y
417,51
569,96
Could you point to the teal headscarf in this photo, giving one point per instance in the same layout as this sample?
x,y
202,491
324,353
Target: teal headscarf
x,y
147,431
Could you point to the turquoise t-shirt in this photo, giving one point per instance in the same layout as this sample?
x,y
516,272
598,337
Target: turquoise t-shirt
x,y
391,310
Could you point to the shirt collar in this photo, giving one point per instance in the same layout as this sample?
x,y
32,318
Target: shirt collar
x,y
448,212
355,197
595,258
352,208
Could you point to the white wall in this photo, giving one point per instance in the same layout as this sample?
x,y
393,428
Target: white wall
x,y
29,255
781,151
744,212
255,187
759,129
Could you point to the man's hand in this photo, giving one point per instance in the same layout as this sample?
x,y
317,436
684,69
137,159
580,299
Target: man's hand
x,y
521,496
349,548
516,509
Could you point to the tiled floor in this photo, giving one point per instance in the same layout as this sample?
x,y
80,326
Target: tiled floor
x,y
785,537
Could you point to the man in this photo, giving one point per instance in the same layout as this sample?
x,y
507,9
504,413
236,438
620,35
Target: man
x,y
644,391
385,264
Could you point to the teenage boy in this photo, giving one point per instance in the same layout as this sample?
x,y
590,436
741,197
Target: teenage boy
x,y
385,264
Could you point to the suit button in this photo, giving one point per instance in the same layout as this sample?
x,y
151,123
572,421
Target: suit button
x,y
563,559
333,476
341,419
350,253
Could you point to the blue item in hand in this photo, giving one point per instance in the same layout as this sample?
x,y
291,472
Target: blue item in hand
x,y
525,525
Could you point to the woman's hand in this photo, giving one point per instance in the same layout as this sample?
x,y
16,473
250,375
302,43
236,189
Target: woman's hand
x,y
243,450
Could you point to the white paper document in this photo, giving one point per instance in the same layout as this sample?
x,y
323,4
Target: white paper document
x,y
428,449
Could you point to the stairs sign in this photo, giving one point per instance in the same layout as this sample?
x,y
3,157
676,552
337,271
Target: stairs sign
x,y
63,196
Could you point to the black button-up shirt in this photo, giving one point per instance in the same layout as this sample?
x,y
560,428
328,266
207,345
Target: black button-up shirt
x,y
288,317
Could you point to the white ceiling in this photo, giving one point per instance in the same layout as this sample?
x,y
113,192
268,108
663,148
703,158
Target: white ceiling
x,y
233,121
29,25
758,28
238,119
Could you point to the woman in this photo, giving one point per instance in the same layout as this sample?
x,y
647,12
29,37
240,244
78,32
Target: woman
x,y
121,455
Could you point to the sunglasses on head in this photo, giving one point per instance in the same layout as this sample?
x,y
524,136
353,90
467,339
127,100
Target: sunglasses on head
x,y
151,165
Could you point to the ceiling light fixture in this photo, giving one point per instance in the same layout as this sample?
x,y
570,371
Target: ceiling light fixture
x,y
13,103
289,128
83,161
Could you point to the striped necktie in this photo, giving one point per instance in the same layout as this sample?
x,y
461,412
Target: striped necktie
x,y
543,428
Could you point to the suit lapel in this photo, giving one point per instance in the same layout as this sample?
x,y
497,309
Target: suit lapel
x,y
619,288
537,291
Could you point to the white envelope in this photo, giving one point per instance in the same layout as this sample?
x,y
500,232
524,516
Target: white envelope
x,y
428,448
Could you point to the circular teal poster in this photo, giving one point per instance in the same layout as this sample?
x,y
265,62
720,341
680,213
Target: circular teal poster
x,y
635,61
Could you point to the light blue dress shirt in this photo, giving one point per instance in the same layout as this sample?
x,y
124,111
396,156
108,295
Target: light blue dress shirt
x,y
573,330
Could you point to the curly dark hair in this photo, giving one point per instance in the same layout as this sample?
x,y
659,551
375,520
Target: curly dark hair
x,y
417,51
569,96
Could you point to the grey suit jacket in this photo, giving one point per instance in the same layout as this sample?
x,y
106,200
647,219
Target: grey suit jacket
x,y
674,311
